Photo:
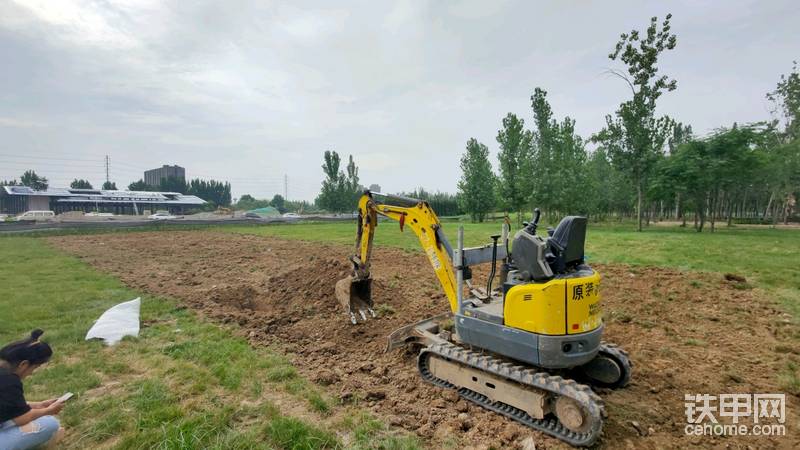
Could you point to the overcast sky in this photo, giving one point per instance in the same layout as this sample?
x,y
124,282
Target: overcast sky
x,y
250,91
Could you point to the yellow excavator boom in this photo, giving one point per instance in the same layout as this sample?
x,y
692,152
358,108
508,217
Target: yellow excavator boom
x,y
354,292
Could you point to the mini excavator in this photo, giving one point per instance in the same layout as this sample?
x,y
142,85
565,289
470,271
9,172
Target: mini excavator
x,y
518,348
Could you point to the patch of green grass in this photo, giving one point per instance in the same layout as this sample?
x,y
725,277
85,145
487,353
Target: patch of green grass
x,y
384,309
183,383
369,433
318,402
790,379
292,434
281,373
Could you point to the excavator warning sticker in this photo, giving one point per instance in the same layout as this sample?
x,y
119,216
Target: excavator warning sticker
x,y
434,259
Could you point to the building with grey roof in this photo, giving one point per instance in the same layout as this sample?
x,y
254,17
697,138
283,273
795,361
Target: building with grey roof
x,y
19,199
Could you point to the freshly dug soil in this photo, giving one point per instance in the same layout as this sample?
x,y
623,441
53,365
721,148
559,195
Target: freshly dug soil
x,y
686,332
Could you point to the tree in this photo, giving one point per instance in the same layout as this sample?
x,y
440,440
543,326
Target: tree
x,y
514,158
557,179
217,193
681,134
783,159
80,184
109,186
606,188
140,185
352,190
247,202
476,187
339,191
9,183
173,184
278,203
33,181
329,194
709,172
635,136
444,203
786,98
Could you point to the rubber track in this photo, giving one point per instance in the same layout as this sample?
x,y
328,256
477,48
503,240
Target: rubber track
x,y
581,394
621,356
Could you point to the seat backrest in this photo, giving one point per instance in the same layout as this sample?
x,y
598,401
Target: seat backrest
x,y
568,241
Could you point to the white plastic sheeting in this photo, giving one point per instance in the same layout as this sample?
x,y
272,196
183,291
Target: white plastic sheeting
x,y
117,322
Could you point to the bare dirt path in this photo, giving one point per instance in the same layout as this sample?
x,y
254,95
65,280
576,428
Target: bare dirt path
x,y
686,332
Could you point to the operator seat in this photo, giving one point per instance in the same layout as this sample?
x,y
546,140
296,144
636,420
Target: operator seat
x,y
566,244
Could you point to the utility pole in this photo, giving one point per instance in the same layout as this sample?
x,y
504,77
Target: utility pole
x,y
107,179
285,187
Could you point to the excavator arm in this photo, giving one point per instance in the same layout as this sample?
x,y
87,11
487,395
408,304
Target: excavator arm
x,y
354,292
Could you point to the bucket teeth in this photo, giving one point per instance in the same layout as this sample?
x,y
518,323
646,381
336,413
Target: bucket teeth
x,y
355,295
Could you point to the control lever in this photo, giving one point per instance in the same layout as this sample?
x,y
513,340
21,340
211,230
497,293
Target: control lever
x,y
494,266
531,227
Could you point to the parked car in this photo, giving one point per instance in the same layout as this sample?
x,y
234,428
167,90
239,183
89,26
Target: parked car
x,y
35,215
291,216
162,215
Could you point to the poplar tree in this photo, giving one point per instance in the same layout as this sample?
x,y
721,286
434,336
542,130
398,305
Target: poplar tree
x,y
634,136
476,187
514,158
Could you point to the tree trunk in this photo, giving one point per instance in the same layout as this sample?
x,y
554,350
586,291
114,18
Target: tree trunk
x,y
769,203
639,205
786,211
775,207
712,209
730,212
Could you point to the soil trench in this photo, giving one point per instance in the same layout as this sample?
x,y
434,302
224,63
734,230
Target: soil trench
x,y
686,332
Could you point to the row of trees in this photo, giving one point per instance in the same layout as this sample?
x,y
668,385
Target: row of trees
x,y
30,179
247,202
34,181
644,165
217,193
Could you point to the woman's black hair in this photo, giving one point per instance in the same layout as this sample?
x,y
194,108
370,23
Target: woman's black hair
x,y
29,349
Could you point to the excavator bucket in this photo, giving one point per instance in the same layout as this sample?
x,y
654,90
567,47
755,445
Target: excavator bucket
x,y
355,295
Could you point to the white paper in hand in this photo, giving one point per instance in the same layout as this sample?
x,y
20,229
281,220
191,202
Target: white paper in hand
x,y
117,322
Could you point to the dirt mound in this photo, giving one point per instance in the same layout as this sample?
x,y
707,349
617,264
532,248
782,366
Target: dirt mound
x,y
241,296
309,282
686,332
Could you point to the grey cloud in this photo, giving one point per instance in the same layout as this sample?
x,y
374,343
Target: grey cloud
x,y
250,91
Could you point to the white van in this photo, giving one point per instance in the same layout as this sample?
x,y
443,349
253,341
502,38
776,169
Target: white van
x,y
36,215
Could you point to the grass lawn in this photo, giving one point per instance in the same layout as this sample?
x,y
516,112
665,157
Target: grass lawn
x,y
183,383
769,258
